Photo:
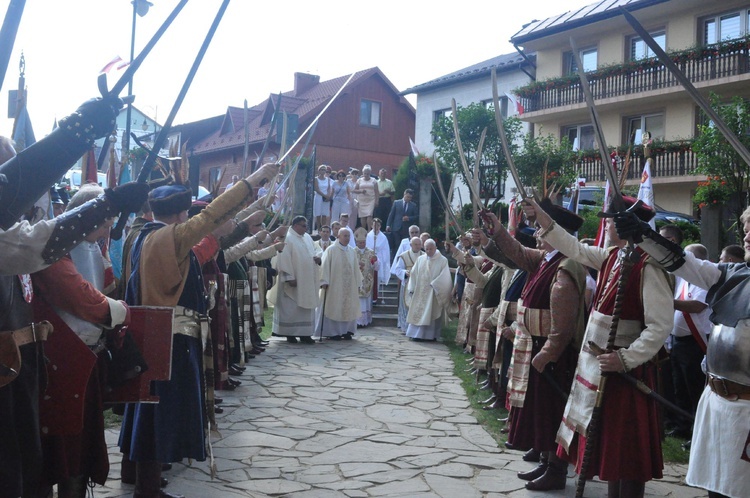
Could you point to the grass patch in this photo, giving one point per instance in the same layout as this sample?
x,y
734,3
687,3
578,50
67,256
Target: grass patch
x,y
111,419
486,418
672,449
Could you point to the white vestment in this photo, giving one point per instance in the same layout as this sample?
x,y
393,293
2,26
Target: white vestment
x,y
428,295
404,246
404,262
383,252
294,311
340,271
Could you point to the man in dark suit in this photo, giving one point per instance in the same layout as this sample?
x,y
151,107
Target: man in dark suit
x,y
403,214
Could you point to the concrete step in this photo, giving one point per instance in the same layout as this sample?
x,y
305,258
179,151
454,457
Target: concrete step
x,y
385,309
384,320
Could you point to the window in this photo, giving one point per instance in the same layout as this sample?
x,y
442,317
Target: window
x,y
588,59
440,114
637,125
728,26
581,136
369,113
490,105
639,49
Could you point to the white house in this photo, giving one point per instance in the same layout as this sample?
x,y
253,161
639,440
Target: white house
x,y
469,85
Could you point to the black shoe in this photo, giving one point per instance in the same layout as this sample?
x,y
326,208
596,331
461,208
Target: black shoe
x,y
238,366
534,473
218,410
217,401
347,336
234,371
307,340
291,340
335,338
233,382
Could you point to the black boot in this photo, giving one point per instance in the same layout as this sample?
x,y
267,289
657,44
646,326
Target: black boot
x,y
554,478
537,471
73,487
532,456
148,481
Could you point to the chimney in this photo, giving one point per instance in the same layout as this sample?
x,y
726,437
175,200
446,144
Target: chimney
x,y
303,82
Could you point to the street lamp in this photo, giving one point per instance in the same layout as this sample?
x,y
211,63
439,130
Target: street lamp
x,y
140,9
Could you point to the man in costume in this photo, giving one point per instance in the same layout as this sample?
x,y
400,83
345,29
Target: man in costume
x,y
69,294
378,242
402,269
165,271
720,450
550,315
28,248
628,452
367,263
340,281
297,285
468,319
428,294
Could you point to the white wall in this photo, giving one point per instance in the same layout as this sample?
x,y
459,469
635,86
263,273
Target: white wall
x,y
465,93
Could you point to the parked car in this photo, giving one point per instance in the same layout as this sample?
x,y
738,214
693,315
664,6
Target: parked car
x,y
73,179
593,198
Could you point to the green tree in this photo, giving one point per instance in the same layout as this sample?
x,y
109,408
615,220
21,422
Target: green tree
x,y
472,120
727,172
546,152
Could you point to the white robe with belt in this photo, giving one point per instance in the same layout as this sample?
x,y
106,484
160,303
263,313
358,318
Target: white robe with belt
x,y
428,295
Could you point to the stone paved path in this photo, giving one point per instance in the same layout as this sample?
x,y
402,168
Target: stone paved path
x,y
378,416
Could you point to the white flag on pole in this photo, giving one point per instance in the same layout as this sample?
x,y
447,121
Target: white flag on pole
x,y
646,190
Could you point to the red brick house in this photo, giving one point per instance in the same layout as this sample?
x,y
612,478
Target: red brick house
x,y
369,123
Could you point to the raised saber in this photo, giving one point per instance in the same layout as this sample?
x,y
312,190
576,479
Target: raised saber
x,y
735,142
441,195
504,139
148,164
476,199
616,204
609,170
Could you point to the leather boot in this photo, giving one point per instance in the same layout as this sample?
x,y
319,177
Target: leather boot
x,y
127,470
533,456
537,471
554,478
73,487
148,481
632,489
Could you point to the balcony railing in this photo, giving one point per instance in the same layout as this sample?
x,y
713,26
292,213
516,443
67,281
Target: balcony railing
x,y
719,61
670,163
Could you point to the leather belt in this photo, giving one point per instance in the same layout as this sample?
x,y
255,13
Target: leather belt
x,y
728,389
32,333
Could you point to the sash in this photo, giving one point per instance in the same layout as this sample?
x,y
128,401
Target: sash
x,y
530,322
689,319
582,399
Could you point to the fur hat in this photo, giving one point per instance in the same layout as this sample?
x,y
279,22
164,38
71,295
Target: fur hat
x,y
566,219
644,211
525,235
170,199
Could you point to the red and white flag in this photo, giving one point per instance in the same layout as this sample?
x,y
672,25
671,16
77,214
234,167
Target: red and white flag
x,y
109,65
513,100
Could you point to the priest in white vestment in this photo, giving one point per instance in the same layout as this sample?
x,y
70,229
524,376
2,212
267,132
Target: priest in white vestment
x,y
296,285
405,245
367,263
402,266
428,294
340,282
378,242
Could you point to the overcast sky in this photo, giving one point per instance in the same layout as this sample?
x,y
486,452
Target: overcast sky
x,y
256,50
